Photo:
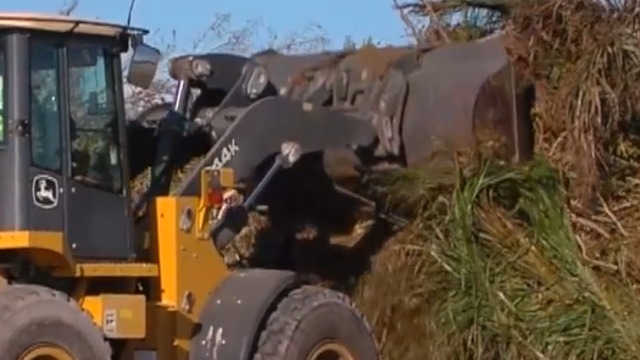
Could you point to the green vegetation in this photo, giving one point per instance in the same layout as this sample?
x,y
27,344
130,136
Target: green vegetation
x,y
496,272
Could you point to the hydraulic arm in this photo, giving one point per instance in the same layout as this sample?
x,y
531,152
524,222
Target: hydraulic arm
x,y
370,109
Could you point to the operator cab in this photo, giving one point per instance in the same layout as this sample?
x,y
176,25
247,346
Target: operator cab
x,y
62,129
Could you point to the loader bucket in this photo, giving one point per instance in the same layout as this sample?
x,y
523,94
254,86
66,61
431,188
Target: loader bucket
x,y
464,94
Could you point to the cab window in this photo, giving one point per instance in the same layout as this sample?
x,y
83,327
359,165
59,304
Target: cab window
x,y
96,157
45,133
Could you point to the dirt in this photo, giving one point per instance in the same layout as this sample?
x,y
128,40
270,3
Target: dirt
x,y
376,61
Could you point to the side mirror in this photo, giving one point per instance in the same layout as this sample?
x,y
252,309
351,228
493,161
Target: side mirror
x,y
143,65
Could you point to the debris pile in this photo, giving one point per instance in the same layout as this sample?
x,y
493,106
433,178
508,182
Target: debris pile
x,y
539,260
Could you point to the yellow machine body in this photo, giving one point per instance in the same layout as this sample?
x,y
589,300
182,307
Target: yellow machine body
x,y
182,273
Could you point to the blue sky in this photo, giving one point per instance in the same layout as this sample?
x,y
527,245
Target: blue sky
x,y
339,18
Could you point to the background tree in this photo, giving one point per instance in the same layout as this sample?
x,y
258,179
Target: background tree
x,y
220,35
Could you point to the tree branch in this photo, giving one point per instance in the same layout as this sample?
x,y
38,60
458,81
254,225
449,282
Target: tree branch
x,y
407,22
501,6
68,7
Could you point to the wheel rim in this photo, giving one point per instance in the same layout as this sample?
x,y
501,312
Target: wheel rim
x,y
45,352
330,350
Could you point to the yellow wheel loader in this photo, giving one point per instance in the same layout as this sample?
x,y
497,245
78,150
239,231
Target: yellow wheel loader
x,y
91,272
76,284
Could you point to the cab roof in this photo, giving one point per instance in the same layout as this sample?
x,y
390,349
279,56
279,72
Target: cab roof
x,y
64,24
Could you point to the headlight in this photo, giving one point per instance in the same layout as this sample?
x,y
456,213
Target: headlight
x,y
257,82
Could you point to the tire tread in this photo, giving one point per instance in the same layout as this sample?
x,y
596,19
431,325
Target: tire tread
x,y
283,322
17,296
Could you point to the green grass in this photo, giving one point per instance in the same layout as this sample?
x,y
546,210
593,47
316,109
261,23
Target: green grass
x,y
505,277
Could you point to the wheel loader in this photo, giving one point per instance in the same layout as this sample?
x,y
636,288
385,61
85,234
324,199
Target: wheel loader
x,y
82,281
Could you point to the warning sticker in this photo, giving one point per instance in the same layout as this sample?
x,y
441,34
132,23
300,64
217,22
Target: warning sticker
x,y
110,322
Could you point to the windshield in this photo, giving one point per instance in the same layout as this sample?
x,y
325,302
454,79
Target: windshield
x,y
92,106
93,109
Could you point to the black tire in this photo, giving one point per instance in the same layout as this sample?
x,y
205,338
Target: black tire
x,y
32,315
309,316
